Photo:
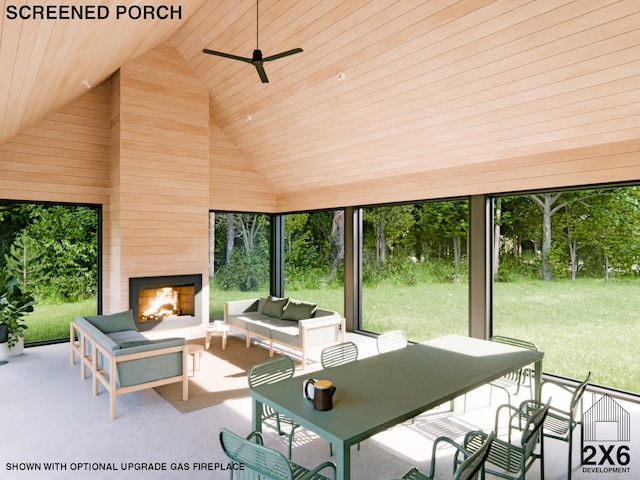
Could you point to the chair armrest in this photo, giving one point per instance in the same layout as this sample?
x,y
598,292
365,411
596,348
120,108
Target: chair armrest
x,y
515,411
312,473
459,448
559,386
451,442
256,437
535,405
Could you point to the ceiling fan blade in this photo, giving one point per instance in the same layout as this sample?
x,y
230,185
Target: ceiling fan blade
x,y
227,55
283,54
261,72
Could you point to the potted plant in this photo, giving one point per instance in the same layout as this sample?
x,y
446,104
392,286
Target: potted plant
x,y
14,304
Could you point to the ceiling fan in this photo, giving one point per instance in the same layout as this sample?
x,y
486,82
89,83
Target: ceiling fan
x,y
257,60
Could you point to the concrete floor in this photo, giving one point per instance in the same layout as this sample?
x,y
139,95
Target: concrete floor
x,y
53,428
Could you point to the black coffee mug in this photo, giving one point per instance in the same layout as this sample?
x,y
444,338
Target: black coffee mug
x,y
323,391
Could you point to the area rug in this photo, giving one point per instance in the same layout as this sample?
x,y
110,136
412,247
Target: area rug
x,y
222,375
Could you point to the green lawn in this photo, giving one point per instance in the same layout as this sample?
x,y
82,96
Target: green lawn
x,y
51,321
583,325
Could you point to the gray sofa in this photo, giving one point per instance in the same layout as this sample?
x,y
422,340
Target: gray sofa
x,y
124,360
292,323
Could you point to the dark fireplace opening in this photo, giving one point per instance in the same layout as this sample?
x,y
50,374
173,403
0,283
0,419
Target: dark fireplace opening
x,y
166,302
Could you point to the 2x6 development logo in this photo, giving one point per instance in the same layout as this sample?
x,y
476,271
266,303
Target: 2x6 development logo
x,y
606,438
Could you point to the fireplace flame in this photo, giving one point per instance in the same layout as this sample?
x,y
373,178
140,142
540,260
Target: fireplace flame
x,y
164,305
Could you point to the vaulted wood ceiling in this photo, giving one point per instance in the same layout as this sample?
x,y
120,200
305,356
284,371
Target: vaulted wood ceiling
x,y
429,84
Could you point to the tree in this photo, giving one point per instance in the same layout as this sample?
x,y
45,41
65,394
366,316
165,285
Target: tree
x,y
390,225
68,236
212,244
550,204
241,251
250,226
547,202
336,255
443,226
26,262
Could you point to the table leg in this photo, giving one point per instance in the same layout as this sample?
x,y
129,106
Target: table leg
x,y
256,416
343,461
538,379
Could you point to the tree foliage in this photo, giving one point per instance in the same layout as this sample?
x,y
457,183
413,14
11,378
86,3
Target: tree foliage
x,y
241,242
51,248
592,232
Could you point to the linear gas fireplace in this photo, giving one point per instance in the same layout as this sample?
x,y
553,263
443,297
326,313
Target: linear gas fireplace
x,y
166,302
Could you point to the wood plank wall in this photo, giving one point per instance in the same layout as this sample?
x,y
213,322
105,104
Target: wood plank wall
x,y
62,158
234,184
607,163
143,146
157,220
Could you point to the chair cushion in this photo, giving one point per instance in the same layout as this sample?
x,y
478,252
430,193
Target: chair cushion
x,y
116,322
274,306
297,310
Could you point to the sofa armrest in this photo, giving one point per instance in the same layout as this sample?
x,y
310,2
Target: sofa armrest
x,y
320,322
240,306
321,330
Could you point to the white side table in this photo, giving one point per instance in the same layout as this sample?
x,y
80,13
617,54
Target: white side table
x,y
216,329
196,353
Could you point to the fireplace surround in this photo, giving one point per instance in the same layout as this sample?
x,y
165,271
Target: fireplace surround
x,y
166,302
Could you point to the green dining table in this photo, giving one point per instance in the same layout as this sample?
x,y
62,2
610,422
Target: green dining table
x,y
378,392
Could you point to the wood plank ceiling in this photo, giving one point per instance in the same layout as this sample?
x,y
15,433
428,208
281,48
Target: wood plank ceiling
x,y
429,84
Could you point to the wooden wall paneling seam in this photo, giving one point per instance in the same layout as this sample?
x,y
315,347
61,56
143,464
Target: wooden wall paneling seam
x,y
19,71
222,72
591,167
178,106
9,43
58,50
187,84
502,98
345,31
136,85
443,108
412,53
469,157
184,151
313,69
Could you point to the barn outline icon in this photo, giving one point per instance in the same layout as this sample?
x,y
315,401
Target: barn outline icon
x,y
606,421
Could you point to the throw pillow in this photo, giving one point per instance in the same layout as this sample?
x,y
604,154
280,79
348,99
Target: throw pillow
x,y
274,306
116,322
261,302
297,310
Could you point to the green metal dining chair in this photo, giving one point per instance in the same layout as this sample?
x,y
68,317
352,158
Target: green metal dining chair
x,y
561,423
262,463
268,372
339,354
470,468
336,355
518,378
514,459
389,341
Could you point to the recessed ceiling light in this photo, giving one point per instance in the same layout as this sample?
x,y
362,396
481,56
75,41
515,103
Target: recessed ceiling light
x,y
342,76
249,118
86,84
